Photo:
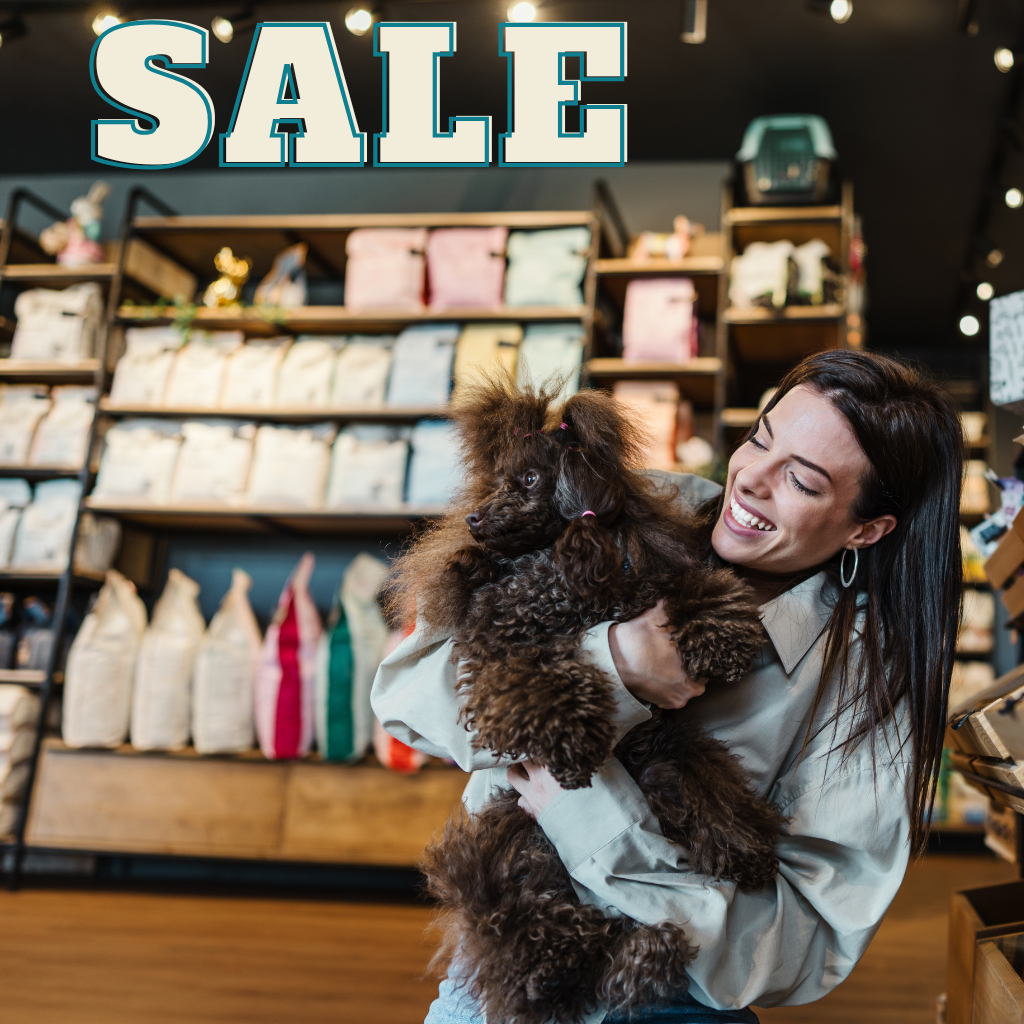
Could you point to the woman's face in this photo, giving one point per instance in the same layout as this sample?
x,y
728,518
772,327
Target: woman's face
x,y
790,490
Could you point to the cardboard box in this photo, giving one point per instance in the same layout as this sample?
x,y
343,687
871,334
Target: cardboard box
x,y
1008,557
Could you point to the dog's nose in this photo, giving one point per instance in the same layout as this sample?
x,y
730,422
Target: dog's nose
x,y
474,519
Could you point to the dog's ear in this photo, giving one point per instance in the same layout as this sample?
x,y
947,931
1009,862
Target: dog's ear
x,y
493,415
586,552
600,426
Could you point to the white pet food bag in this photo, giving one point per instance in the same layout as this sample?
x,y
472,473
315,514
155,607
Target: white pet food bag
x,y
161,703
213,464
14,496
251,374
290,465
386,268
22,406
546,268
62,436
225,676
550,350
99,538
197,375
434,470
307,370
100,671
43,538
140,378
361,372
138,461
368,467
58,325
421,368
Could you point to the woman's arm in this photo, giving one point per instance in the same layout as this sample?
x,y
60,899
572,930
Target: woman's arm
x,y
414,697
842,859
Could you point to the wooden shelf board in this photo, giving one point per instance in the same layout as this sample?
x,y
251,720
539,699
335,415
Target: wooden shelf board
x,y
957,829
57,274
654,267
285,415
265,519
37,576
40,472
742,418
760,315
30,370
621,369
350,221
773,214
23,676
342,318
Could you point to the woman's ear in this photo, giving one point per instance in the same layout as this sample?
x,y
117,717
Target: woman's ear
x,y
871,533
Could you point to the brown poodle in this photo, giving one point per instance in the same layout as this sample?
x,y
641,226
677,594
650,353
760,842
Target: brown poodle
x,y
557,531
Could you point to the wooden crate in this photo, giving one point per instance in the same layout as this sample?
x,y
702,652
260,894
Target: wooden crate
x,y
998,988
180,803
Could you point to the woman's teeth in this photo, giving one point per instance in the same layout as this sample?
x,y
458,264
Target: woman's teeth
x,y
741,515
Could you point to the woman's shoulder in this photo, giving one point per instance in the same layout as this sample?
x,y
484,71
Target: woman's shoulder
x,y
693,490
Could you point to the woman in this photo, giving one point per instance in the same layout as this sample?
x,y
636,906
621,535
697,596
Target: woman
x,y
842,511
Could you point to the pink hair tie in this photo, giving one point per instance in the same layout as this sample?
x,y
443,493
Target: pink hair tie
x,y
564,426
588,513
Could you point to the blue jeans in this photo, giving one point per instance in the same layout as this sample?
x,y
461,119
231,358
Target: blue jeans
x,y
454,1006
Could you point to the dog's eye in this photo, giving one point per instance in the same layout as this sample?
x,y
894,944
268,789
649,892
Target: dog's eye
x,y
530,478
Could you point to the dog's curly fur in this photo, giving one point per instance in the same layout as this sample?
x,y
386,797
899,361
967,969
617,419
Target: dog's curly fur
x,y
516,591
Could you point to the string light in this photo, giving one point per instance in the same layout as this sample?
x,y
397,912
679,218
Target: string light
x,y
1004,59
104,20
521,12
969,325
359,20
985,291
222,29
1014,198
841,11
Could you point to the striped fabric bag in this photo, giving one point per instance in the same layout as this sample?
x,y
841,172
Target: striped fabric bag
x,y
350,650
285,678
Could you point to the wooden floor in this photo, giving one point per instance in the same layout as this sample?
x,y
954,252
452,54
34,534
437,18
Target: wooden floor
x,y
103,958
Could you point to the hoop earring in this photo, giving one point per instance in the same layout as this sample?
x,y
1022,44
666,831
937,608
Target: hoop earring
x,y
842,567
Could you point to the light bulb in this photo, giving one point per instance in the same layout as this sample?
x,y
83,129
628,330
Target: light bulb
x,y
1014,197
985,291
358,21
222,29
994,257
521,12
1004,59
969,325
105,20
841,11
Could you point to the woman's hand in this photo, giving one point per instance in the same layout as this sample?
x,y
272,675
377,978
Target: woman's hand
x,y
535,785
648,661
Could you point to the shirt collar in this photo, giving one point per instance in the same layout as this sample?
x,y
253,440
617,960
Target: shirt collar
x,y
795,619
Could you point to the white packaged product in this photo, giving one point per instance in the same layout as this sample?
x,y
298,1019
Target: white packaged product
x,y
549,351
58,325
162,701
307,370
421,365
62,436
15,493
368,466
213,464
43,538
251,374
810,261
140,378
14,496
197,374
22,406
138,461
99,538
760,276
290,465
100,671
361,372
546,268
434,467
225,674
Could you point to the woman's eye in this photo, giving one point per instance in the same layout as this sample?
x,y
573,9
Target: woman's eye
x,y
800,487
757,444
530,478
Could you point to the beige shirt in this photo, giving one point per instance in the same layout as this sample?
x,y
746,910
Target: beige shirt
x,y
842,857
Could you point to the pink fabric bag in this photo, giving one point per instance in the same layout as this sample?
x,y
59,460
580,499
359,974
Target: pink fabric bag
x,y
660,322
386,268
286,675
466,267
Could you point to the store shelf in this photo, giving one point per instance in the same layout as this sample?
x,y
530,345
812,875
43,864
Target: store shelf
x,y
621,369
236,806
744,215
688,265
32,371
740,418
360,413
760,315
961,829
9,577
329,222
57,275
23,676
266,519
39,472
342,318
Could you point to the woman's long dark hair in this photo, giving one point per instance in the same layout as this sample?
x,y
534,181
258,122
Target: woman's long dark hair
x,y
910,430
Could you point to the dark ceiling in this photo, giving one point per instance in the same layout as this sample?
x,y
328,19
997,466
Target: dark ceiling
x,y
913,105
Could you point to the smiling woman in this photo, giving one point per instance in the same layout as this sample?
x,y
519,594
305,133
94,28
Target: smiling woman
x,y
841,510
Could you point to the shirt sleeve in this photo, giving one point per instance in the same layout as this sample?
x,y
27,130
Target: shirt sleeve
x,y
842,859
415,698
